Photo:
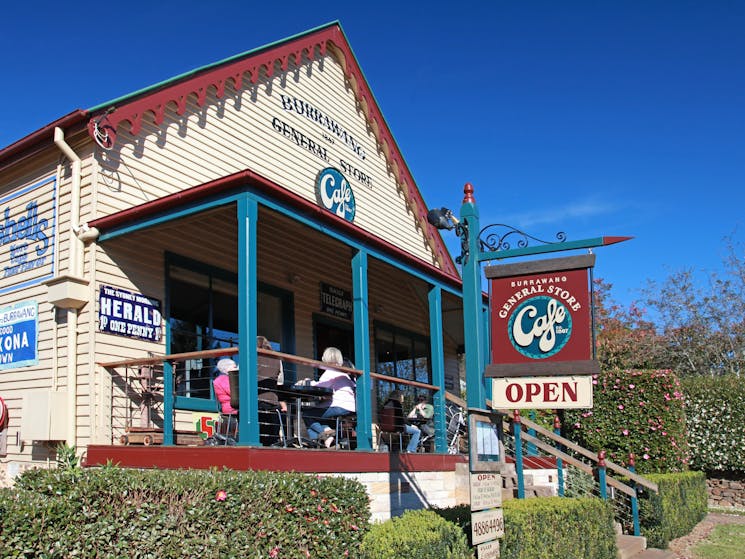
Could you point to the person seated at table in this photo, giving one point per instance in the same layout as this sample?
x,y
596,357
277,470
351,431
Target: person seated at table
x,y
268,374
221,384
268,371
421,415
392,414
321,420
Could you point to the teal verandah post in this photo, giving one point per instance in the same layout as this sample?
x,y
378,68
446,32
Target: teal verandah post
x,y
248,417
532,450
517,427
634,500
472,301
362,350
559,461
438,366
167,403
602,482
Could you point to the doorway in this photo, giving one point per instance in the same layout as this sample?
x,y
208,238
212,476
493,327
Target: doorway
x,y
331,333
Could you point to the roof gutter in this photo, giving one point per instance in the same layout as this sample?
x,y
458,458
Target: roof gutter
x,y
41,136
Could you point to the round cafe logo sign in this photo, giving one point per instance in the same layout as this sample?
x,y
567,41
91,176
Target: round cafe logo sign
x,y
540,327
335,194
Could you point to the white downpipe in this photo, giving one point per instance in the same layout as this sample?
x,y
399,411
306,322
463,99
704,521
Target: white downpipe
x,y
72,377
74,268
74,263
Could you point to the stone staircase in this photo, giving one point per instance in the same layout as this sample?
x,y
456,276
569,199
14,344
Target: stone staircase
x,y
635,547
629,547
509,484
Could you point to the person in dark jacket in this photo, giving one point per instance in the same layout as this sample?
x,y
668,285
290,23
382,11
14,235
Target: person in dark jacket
x,y
268,373
392,420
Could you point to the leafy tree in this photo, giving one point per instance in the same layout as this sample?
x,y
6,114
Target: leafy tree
x,y
625,339
703,327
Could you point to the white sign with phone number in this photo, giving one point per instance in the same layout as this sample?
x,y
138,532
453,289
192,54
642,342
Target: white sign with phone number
x,y
486,525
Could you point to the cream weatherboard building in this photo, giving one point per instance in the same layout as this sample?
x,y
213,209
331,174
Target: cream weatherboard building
x,y
263,194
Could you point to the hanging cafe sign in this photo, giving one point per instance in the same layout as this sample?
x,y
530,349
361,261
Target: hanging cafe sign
x,y
542,328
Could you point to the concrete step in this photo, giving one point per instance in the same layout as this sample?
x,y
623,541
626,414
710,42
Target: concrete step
x,y
652,553
630,546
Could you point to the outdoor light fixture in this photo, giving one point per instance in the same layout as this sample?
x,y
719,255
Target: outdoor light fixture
x,y
443,218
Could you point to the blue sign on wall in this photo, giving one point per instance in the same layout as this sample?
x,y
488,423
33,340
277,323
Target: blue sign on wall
x,y
27,235
129,314
19,329
335,194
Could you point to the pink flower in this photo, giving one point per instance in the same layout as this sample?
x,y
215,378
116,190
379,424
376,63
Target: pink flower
x,y
645,456
620,406
625,432
632,386
274,552
221,495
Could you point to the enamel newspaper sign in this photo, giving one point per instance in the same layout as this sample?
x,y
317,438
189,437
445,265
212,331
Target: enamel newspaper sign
x,y
130,314
541,317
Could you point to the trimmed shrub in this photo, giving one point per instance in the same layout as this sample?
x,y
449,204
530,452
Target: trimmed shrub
x,y
111,512
673,512
549,528
715,415
417,534
639,412
558,528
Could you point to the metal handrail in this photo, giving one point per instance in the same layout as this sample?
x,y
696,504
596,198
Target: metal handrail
x,y
287,357
584,452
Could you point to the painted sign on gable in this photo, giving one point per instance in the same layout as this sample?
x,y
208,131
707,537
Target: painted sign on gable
x,y
27,235
19,328
335,193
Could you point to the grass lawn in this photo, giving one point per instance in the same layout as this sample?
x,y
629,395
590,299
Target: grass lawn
x,y
725,542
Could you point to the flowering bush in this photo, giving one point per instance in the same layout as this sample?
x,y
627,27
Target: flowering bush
x,y
715,414
112,513
634,411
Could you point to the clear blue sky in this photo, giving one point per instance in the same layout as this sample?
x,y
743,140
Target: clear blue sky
x,y
592,118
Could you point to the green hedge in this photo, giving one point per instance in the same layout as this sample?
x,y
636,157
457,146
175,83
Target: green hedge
x,y
715,414
673,512
558,528
550,528
113,513
634,411
417,534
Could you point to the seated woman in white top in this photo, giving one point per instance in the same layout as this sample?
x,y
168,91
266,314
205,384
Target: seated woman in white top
x,y
343,401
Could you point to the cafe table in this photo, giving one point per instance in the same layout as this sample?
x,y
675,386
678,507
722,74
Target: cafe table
x,y
297,394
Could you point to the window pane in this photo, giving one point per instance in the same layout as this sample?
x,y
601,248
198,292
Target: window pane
x,y
421,362
269,319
